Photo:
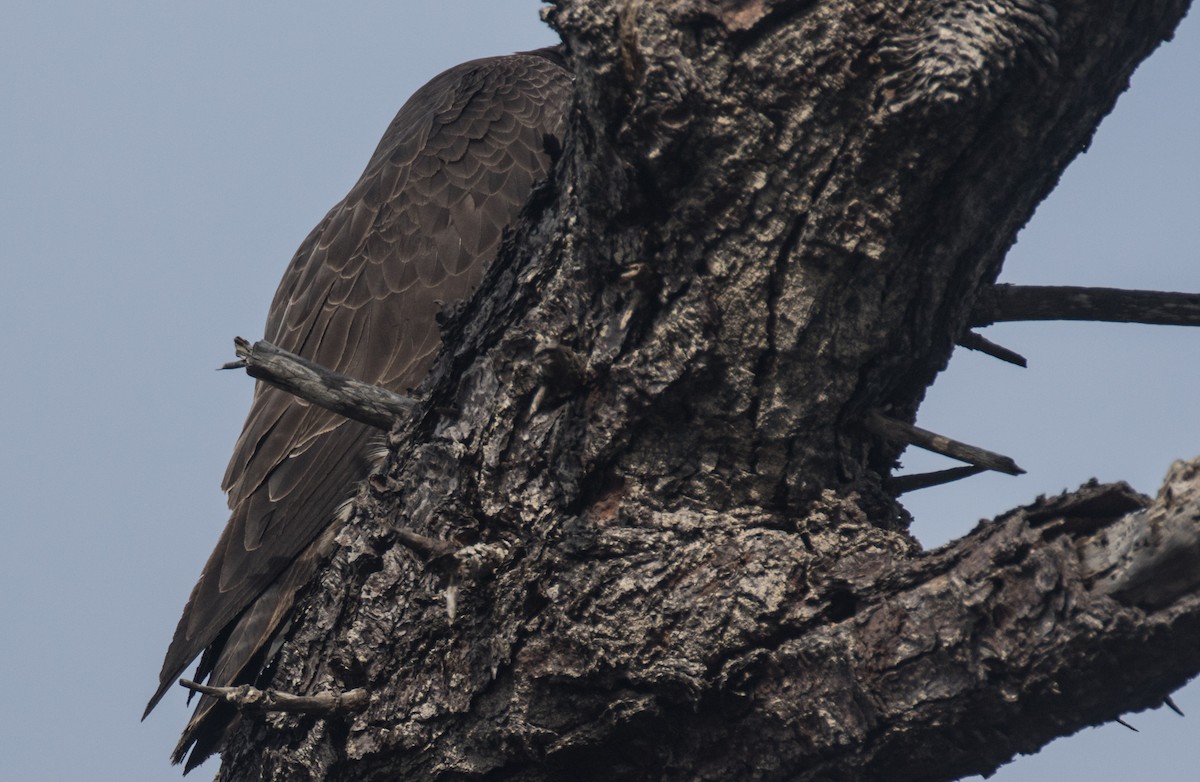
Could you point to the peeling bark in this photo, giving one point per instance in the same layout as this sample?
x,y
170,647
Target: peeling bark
x,y
769,219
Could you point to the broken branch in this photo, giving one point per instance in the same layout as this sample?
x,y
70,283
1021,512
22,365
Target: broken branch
x,y
1149,558
246,697
350,398
898,431
973,341
902,484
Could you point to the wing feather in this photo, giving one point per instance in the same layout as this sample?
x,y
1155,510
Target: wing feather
x,y
361,297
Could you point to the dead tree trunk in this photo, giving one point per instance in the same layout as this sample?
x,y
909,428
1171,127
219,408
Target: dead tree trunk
x,y
679,553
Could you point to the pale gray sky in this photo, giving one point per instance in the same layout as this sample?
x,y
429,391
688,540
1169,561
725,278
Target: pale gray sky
x,y
160,162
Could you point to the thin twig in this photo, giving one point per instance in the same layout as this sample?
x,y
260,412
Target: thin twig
x,y
901,484
1064,302
368,404
246,697
898,431
1170,703
974,341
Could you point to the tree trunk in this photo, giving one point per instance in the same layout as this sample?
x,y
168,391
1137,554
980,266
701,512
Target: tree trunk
x,y
683,557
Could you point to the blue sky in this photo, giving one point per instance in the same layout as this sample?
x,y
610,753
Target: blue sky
x,y
159,163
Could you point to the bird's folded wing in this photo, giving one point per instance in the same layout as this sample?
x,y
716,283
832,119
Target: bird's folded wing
x,y
361,297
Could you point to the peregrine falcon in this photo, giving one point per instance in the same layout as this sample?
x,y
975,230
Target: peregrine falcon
x,y
360,297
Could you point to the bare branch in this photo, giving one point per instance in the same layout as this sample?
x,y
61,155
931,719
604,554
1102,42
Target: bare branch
x,y
902,484
900,432
974,341
254,699
1003,303
358,401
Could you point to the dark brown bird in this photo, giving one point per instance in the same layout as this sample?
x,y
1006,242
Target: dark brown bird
x,y
360,297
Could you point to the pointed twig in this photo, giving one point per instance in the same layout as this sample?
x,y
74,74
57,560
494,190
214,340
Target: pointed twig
x,y
900,432
246,697
1065,302
974,341
900,484
368,404
1126,724
1169,702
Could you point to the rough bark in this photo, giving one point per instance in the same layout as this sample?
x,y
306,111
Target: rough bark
x,y
685,558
